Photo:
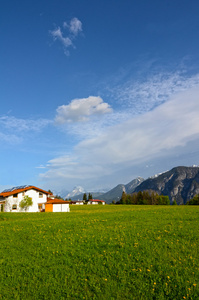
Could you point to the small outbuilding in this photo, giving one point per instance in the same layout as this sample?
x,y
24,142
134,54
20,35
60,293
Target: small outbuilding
x,y
96,201
56,205
77,202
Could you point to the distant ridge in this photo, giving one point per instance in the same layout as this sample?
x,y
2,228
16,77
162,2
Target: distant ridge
x,y
116,193
180,184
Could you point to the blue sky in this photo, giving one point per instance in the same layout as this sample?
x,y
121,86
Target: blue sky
x,y
96,93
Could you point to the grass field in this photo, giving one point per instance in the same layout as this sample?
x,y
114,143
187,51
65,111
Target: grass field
x,y
102,252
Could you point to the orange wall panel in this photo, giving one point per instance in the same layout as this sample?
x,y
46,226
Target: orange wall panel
x,y
48,207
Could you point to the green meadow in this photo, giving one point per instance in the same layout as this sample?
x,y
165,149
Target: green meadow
x,y
101,252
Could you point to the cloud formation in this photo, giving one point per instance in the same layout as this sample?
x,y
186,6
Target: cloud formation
x,y
80,110
142,96
168,128
172,124
13,130
11,139
21,125
74,28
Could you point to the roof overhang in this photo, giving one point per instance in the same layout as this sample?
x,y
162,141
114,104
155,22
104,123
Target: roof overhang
x,y
6,194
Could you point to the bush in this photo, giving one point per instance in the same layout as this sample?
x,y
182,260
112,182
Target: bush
x,y
194,201
25,203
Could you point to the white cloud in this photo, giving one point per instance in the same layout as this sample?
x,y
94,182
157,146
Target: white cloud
x,y
14,130
11,139
74,28
142,96
168,128
41,167
20,125
172,124
79,110
63,161
57,34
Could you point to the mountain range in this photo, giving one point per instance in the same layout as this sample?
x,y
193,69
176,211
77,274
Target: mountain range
x,y
180,184
116,193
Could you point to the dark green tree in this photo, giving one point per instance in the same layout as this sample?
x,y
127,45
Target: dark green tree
x,y
123,198
59,197
194,201
84,197
140,198
90,197
163,200
134,198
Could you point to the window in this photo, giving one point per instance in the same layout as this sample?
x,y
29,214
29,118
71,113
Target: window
x,y
40,195
2,207
41,207
15,195
14,207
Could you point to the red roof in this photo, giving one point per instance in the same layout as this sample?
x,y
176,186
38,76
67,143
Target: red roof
x,y
56,201
5,194
96,200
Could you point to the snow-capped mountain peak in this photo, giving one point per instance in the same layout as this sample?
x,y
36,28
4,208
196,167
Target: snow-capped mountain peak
x,y
76,191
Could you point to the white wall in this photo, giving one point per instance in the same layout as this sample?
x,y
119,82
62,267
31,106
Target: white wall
x,y
61,207
65,207
10,201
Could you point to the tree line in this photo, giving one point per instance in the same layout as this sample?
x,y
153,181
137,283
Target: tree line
x,y
85,198
144,198
194,200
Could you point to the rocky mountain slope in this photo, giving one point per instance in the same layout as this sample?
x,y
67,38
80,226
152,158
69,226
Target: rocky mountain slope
x,y
95,195
116,193
78,190
180,184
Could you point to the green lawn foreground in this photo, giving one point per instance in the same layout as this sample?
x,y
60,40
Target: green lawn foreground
x,y
101,252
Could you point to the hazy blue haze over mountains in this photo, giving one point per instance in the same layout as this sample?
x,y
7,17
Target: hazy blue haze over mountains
x,y
180,184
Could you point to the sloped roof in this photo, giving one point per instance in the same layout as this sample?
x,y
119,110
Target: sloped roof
x,y
19,190
56,201
96,200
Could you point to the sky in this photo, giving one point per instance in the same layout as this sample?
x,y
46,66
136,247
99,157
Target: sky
x,y
96,93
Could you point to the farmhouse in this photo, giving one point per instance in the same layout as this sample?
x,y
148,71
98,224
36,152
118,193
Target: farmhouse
x,y
77,202
11,198
96,201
